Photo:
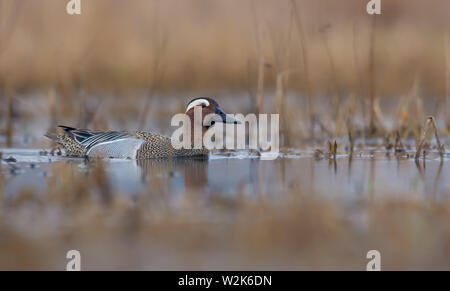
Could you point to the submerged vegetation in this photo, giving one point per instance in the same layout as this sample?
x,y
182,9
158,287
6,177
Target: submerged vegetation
x,y
364,106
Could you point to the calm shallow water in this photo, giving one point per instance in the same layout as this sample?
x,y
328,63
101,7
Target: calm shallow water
x,y
363,175
231,211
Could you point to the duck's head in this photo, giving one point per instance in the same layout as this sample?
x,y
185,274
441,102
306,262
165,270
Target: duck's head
x,y
209,106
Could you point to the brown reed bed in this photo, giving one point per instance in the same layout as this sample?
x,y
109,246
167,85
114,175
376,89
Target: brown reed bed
x,y
135,45
265,49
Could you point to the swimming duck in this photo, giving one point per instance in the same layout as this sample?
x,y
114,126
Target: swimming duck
x,y
136,145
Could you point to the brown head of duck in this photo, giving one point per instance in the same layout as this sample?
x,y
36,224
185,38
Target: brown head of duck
x,y
210,114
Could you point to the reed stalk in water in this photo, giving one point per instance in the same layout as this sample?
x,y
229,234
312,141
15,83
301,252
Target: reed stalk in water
x,y
306,75
371,75
429,124
9,130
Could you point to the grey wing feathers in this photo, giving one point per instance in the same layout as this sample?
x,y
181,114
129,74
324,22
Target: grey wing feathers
x,y
89,138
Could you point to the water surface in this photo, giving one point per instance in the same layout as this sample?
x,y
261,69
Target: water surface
x,y
348,177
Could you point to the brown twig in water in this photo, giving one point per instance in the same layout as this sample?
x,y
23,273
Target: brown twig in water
x,y
335,149
440,147
429,122
9,131
332,149
350,139
387,142
378,115
398,143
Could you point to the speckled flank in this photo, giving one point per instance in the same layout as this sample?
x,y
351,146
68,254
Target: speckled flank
x,y
159,146
71,147
153,146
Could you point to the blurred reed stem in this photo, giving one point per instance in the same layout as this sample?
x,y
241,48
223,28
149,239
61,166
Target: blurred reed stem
x,y
7,30
51,95
1,183
159,43
337,96
447,82
260,86
358,70
371,77
9,130
261,61
280,108
306,76
282,63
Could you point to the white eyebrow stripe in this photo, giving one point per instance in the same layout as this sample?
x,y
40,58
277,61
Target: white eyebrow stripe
x,y
197,103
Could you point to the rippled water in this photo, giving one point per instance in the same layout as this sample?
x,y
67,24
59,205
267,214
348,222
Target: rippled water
x,y
375,173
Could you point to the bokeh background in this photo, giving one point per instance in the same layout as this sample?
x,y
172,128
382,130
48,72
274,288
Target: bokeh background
x,y
336,75
198,45
303,58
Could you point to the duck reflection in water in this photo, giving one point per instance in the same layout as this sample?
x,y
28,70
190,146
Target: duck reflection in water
x,y
190,173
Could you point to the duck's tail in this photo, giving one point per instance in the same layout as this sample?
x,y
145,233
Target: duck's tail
x,y
66,141
52,136
57,137
67,129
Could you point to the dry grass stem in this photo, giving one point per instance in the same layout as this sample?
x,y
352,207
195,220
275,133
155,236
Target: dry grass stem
x,y
305,60
447,82
430,124
371,78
